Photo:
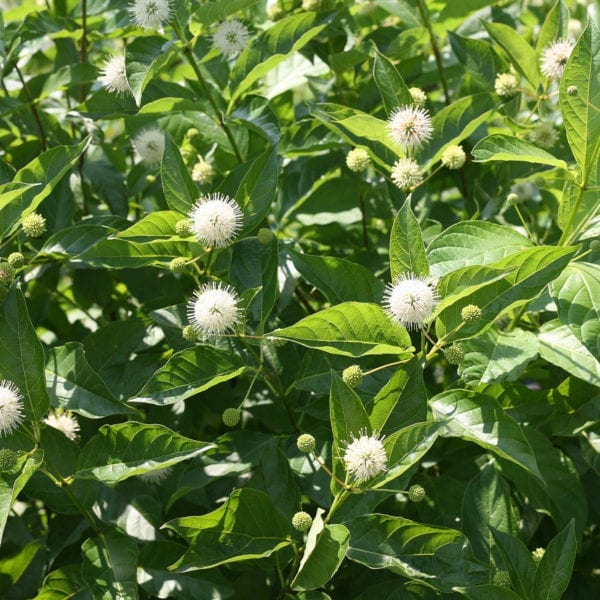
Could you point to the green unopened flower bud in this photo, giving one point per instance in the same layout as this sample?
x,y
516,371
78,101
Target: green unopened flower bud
x,y
501,578
454,157
512,199
189,333
454,354
358,160
265,236
572,90
8,459
352,376
419,97
178,264
183,228
150,179
537,555
470,313
302,521
306,443
34,225
16,260
274,12
203,172
416,493
231,416
6,272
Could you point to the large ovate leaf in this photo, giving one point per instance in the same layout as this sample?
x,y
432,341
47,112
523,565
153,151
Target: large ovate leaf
x,y
517,561
179,189
394,91
407,252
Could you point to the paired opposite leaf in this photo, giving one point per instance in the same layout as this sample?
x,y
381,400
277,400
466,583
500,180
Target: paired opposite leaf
x,y
407,252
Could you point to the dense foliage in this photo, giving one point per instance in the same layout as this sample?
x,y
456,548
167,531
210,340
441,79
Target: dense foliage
x,y
300,299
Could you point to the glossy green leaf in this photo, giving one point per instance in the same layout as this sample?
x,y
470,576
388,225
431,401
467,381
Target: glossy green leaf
x,y
75,240
478,418
22,358
65,583
517,561
555,26
246,527
489,592
118,452
394,91
349,329
407,252
217,10
179,189
156,225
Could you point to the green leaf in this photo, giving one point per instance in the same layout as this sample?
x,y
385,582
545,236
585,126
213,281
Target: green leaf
x,y
65,583
109,566
156,225
246,527
321,564
520,53
577,295
74,385
497,356
555,26
554,571
75,240
506,148
518,562
13,481
407,252
438,556
561,347
487,506
22,358
118,452
188,373
179,189
489,592
217,10
394,91
576,211
581,113
479,418
349,329
339,279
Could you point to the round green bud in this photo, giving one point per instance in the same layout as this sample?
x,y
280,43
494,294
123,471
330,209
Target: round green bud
x,y
231,416
470,313
572,90
189,333
306,443
8,459
512,199
6,272
416,493
419,97
358,160
454,354
501,578
540,182
265,236
537,555
16,260
182,228
454,157
178,264
352,376
301,521
34,225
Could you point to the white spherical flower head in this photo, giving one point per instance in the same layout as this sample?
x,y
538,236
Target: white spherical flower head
x,y
66,423
555,57
410,126
231,37
150,145
114,75
11,407
214,309
216,219
506,84
154,477
406,173
365,457
410,300
150,14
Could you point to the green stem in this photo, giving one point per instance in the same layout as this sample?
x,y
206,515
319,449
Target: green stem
x,y
337,502
83,45
525,226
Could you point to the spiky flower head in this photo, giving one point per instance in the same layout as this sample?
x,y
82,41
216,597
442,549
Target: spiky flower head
x,y
34,225
501,578
410,300
189,333
150,145
302,521
416,493
113,74
554,58
406,173
156,476
214,309
231,37
352,376
410,126
544,136
64,422
231,416
8,459
16,260
454,157
358,160
512,199
306,443
506,85
178,264
470,313
419,97
365,456
454,354
216,219
7,272
150,14
203,172
537,555
11,407
183,228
